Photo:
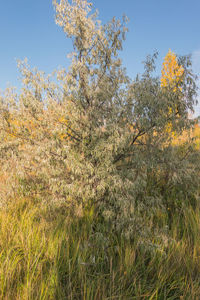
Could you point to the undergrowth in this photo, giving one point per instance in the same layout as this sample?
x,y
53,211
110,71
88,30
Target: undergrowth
x,y
44,255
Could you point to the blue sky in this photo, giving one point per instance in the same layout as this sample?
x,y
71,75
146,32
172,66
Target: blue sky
x,y
27,29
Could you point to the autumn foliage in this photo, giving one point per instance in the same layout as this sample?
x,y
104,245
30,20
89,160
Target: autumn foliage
x,y
172,72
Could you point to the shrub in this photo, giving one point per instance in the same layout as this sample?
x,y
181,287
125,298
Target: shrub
x,y
93,139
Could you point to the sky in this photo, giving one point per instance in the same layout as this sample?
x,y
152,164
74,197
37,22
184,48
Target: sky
x,y
28,29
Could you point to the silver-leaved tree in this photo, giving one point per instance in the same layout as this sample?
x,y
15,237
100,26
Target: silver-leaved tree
x,y
93,139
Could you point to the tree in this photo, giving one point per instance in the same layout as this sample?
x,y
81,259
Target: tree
x,y
172,72
99,137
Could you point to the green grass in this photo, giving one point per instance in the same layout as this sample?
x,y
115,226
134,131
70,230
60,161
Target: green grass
x,y
46,255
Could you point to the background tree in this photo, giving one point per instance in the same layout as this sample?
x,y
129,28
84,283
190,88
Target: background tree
x,y
172,72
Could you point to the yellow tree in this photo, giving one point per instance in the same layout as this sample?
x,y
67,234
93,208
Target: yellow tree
x,y
172,72
172,78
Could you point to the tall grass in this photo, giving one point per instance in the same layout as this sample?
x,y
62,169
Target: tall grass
x,y
45,255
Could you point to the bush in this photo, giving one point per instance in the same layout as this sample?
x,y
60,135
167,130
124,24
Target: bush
x,y
95,140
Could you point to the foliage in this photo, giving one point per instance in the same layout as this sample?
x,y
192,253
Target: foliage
x,y
172,73
90,137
